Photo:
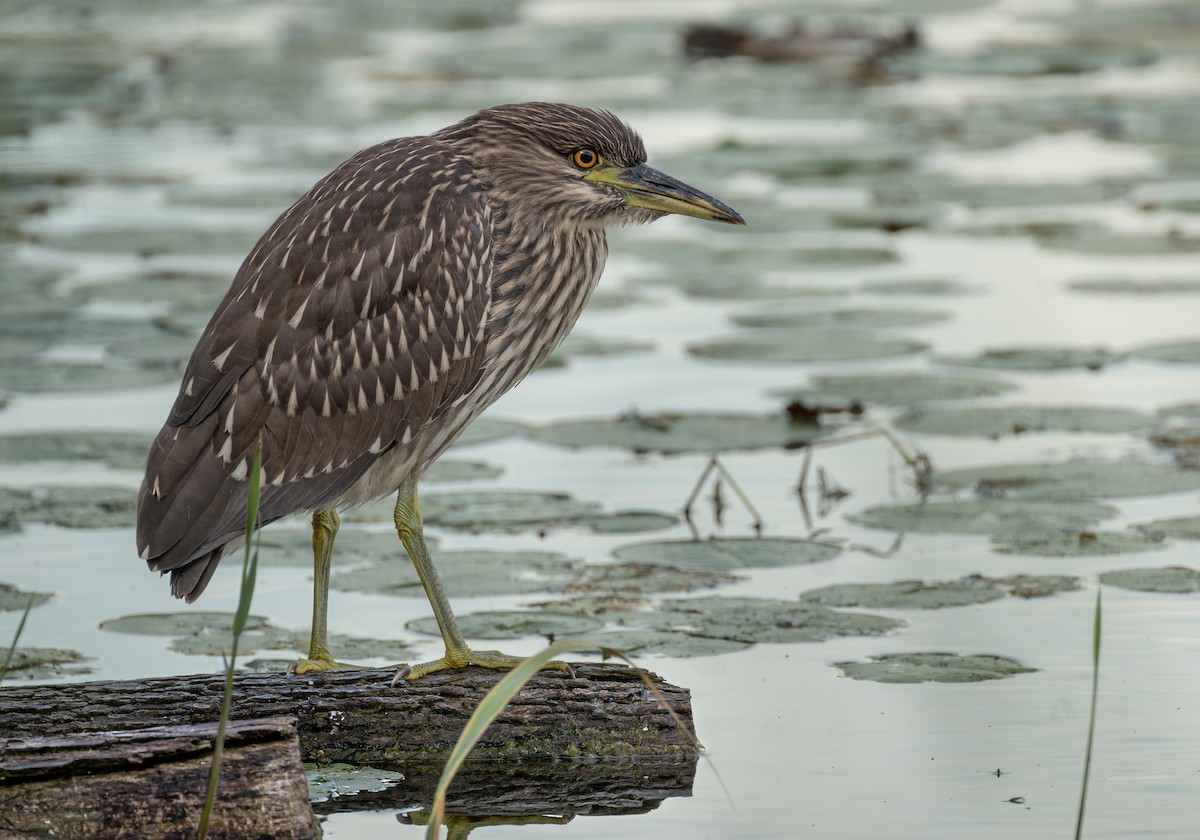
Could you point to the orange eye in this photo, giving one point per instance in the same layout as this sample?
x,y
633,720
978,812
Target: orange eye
x,y
586,158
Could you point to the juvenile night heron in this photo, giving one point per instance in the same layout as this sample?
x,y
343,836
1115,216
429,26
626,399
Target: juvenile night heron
x,y
382,312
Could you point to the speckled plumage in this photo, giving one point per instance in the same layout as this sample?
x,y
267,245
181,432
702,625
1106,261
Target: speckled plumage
x,y
379,315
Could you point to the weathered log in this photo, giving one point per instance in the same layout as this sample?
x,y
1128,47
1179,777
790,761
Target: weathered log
x,y
359,717
150,783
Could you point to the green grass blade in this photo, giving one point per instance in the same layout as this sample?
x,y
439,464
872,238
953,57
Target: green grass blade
x,y
1087,756
245,595
495,701
16,638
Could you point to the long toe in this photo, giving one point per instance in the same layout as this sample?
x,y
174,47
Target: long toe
x,y
482,658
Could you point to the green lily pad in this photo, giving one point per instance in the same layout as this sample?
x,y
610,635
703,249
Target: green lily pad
x,y
933,667
181,623
504,510
639,643
1102,241
513,624
42,663
268,637
454,469
1071,480
646,578
787,346
332,781
900,388
920,286
1175,579
487,430
148,242
728,554
583,345
70,507
13,599
840,318
1175,352
1077,543
670,433
1137,285
985,516
633,522
466,574
995,421
761,620
161,351
1038,586
606,299
119,450
353,546
1035,358
39,377
1183,527
906,594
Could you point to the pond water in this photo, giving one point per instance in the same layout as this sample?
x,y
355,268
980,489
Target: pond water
x,y
974,241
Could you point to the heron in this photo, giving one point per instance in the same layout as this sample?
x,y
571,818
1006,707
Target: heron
x,y
379,315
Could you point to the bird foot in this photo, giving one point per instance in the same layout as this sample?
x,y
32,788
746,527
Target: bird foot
x,y
482,658
320,663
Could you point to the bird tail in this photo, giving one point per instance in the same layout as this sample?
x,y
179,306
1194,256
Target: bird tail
x,y
189,580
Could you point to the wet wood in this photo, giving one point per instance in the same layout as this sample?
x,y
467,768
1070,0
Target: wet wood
x,y
150,783
359,717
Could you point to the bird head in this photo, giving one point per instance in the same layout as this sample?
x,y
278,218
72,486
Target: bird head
x,y
575,163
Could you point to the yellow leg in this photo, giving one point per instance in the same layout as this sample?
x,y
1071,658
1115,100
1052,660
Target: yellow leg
x,y
325,528
408,524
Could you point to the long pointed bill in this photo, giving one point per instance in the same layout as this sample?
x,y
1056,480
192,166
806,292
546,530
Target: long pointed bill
x,y
646,187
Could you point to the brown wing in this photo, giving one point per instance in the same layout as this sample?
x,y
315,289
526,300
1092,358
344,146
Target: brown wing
x,y
356,319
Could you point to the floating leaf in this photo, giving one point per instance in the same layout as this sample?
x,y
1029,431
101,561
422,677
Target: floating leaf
x,y
804,346
931,286
761,620
13,599
1071,480
995,421
504,510
1178,579
1175,352
907,594
148,242
119,450
1102,241
633,522
646,578
582,345
639,643
353,546
728,554
840,318
465,574
487,430
70,507
932,667
454,469
985,516
669,433
38,377
181,623
333,781
899,388
1077,543
513,624
1137,286
42,663
1035,358
1183,527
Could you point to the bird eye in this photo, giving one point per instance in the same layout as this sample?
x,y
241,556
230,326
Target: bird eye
x,y
586,158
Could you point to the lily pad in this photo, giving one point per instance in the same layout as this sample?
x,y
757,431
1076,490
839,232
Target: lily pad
x,y
646,578
148,242
70,507
670,433
1101,241
995,421
1175,352
920,286
268,637
1183,527
119,450
761,620
1137,285
42,663
1077,543
633,522
1035,358
582,345
1175,579
454,469
13,599
487,430
513,624
906,594
900,388
504,510
39,377
728,554
985,516
840,318
1071,480
933,667
353,546
638,643
179,623
333,781
787,346
466,574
